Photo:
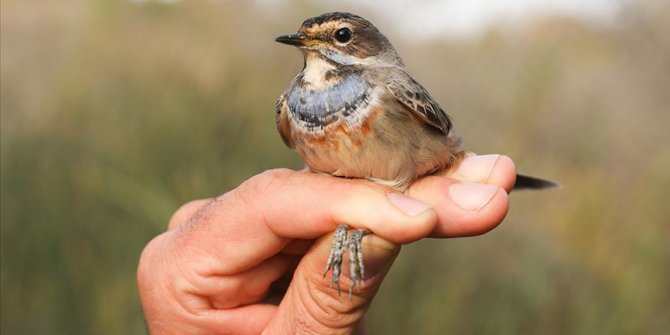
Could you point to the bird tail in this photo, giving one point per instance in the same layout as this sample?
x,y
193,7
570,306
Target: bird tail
x,y
533,183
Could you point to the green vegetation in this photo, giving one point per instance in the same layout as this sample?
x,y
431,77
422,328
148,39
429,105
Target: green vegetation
x,y
114,114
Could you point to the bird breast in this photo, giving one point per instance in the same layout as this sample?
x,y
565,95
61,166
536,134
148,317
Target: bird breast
x,y
314,109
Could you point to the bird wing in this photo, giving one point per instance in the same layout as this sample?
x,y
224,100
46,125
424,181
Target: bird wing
x,y
417,99
281,118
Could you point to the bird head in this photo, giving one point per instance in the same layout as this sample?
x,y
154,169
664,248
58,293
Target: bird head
x,y
343,38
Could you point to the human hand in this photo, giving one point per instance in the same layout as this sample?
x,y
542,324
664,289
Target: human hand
x,y
213,270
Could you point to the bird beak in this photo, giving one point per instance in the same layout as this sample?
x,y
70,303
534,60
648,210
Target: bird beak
x,y
297,39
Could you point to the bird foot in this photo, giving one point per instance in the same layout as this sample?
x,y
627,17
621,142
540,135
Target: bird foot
x,y
354,243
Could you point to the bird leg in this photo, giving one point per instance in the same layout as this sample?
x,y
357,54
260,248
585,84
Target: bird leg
x,y
342,242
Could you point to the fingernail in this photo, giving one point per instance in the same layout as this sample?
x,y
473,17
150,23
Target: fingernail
x,y
477,168
472,196
409,206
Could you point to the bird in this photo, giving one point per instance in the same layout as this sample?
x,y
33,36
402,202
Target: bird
x,y
355,111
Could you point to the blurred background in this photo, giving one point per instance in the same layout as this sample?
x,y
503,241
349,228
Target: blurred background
x,y
116,112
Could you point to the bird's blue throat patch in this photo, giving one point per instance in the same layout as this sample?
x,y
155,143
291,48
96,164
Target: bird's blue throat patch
x,y
318,108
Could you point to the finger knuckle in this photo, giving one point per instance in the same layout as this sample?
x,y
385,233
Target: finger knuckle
x,y
149,259
262,184
184,213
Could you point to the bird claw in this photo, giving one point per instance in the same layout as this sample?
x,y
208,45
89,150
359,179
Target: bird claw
x,y
342,242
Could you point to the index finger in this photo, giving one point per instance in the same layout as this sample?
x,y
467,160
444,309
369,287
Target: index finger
x,y
257,219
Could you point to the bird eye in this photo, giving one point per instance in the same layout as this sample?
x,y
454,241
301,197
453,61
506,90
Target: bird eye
x,y
343,35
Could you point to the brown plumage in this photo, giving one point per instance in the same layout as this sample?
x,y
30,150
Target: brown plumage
x,y
398,135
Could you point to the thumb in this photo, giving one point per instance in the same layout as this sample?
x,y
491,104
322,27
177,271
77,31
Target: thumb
x,y
314,305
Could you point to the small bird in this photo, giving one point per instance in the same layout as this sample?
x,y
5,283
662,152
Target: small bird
x,y
354,111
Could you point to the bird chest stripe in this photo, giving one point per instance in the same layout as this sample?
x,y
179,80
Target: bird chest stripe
x,y
317,108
